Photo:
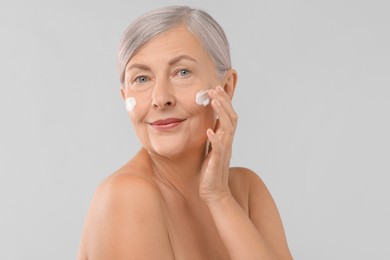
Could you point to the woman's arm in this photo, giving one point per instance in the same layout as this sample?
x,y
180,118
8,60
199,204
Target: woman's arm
x,y
257,236
126,221
260,236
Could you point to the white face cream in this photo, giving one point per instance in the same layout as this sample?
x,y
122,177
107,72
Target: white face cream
x,y
130,103
202,98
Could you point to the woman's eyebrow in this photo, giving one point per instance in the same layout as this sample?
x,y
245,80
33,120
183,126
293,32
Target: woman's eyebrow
x,y
171,62
137,66
181,57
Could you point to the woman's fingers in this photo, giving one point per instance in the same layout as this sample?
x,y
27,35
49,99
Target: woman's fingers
x,y
220,95
225,122
226,102
215,141
216,174
222,105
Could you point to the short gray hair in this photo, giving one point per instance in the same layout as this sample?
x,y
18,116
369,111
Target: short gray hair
x,y
197,21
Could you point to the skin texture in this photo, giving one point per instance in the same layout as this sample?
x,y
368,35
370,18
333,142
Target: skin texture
x,y
178,198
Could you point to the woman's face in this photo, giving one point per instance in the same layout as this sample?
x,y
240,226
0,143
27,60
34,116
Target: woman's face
x,y
163,78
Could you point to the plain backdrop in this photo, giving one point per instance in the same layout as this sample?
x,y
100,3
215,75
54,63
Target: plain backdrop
x,y
313,101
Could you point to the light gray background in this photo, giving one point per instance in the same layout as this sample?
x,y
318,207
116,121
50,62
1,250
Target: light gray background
x,y
313,100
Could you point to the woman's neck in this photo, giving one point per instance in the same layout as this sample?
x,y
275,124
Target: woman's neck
x,y
180,173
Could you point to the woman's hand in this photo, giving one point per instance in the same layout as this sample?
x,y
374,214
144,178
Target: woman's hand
x,y
215,169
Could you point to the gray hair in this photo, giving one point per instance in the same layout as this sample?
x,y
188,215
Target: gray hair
x,y
197,21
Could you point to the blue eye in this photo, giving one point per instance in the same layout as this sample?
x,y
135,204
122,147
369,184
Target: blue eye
x,y
141,79
184,72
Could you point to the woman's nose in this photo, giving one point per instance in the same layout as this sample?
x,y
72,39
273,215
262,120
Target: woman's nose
x,y
162,95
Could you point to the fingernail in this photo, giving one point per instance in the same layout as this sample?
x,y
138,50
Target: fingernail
x,y
210,132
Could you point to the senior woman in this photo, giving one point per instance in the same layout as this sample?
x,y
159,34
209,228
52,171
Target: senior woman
x,y
177,198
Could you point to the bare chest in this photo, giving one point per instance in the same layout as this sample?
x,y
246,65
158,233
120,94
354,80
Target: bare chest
x,y
193,234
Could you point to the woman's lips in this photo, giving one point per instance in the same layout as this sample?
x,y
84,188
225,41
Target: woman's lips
x,y
168,123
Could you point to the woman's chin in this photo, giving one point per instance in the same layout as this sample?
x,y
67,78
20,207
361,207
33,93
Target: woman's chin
x,y
163,150
166,150
173,149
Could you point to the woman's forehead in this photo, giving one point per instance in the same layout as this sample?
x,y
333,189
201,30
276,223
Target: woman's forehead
x,y
170,44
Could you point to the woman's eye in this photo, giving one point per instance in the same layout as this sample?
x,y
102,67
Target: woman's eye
x,y
184,72
141,79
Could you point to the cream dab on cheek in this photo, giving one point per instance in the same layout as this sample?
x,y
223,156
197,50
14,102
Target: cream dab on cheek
x,y
202,98
130,103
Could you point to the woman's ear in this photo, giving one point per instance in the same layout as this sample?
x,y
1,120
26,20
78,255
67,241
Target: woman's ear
x,y
230,82
122,92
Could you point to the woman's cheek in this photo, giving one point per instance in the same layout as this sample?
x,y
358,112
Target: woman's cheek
x,y
136,108
130,104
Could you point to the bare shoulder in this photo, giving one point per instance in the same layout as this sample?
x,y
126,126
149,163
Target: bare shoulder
x,y
242,175
126,221
247,180
239,182
263,211
120,186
